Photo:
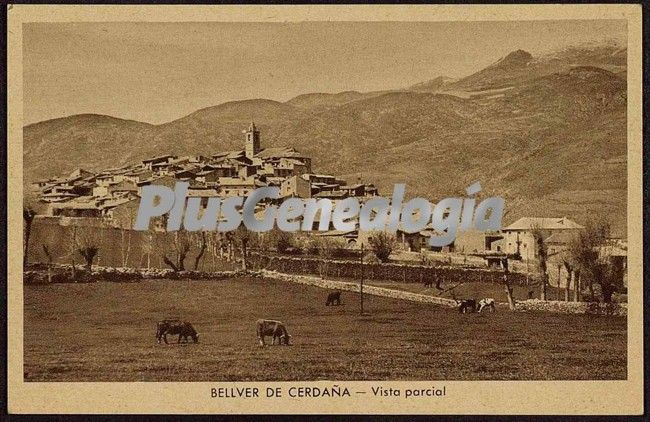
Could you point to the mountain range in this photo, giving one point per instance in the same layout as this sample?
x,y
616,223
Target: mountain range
x,y
548,133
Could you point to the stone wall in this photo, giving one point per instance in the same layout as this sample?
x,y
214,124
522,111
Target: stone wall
x,y
62,273
117,247
404,273
594,308
355,287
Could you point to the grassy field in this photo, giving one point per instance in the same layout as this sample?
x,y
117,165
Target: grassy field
x,y
106,332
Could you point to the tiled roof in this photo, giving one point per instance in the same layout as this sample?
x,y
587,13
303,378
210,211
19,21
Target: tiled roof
x,y
331,194
279,152
160,157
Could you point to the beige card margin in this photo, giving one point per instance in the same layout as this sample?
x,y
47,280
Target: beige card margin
x,y
463,397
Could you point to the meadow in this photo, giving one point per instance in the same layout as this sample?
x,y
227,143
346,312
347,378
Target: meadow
x,y
106,332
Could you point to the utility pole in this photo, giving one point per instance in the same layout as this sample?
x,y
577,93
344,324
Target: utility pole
x,y
361,281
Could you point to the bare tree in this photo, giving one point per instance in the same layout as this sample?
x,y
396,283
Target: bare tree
x,y
147,247
214,245
229,238
506,284
28,217
568,266
47,253
182,246
577,285
31,208
542,256
88,253
86,245
203,245
73,245
242,237
125,246
382,245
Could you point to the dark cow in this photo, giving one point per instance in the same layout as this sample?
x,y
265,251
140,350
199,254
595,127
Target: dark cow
x,y
487,303
466,306
333,298
275,329
174,326
435,279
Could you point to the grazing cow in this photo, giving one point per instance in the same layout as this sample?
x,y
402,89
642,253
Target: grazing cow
x,y
174,326
488,303
466,306
333,298
275,329
434,280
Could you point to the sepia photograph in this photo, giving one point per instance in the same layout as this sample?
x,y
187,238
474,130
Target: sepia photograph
x,y
325,200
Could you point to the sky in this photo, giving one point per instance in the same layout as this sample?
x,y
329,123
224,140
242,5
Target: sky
x,y
158,72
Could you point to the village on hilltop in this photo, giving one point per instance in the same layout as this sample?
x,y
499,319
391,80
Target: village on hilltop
x,y
111,197
113,194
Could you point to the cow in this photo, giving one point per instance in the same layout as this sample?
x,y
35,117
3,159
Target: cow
x,y
174,326
488,303
466,305
275,329
434,280
333,298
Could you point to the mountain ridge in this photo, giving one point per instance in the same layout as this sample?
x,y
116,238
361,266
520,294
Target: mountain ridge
x,y
528,134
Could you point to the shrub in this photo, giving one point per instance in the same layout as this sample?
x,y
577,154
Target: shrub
x,y
382,244
280,240
371,258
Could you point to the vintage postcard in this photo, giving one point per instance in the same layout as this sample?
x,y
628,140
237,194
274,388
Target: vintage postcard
x,y
325,209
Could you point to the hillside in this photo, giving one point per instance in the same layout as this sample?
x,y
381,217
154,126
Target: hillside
x,y
91,141
548,133
432,85
323,101
219,128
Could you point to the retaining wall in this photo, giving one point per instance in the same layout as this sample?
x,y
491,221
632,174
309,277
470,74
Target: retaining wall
x,y
117,247
404,273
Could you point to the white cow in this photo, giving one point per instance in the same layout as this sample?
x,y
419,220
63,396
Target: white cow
x,y
487,303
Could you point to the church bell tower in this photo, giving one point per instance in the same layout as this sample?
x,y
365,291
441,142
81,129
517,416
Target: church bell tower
x,y
252,141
